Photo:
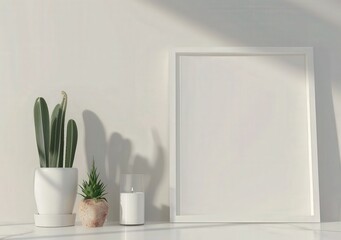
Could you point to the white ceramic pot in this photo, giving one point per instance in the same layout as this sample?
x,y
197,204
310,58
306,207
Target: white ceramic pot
x,y
55,190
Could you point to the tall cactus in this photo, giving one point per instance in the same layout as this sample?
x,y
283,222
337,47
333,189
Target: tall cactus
x,y
50,139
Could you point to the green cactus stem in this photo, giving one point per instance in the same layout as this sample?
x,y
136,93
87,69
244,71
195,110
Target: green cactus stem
x,y
55,135
71,143
63,109
42,129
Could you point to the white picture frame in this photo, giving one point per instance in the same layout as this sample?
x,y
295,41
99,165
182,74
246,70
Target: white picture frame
x,y
243,119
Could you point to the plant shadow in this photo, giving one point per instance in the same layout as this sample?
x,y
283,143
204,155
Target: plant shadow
x,y
115,156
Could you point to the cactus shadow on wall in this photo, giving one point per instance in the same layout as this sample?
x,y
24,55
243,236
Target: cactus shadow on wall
x,y
115,156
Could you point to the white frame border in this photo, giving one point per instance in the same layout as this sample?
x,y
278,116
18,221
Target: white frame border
x,y
314,186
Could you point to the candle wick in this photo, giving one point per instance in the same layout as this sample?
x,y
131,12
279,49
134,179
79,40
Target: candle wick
x,y
132,189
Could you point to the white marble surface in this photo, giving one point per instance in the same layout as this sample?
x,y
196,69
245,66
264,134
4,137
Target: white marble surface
x,y
165,231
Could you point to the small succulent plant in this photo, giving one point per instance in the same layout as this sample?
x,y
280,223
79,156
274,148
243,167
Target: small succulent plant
x,y
94,188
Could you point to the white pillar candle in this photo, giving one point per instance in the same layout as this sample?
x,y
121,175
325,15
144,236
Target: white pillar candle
x,y
132,208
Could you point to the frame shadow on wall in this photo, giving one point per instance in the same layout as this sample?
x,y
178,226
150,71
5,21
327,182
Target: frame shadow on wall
x,y
115,156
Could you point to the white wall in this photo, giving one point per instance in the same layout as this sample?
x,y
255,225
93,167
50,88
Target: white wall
x,y
110,56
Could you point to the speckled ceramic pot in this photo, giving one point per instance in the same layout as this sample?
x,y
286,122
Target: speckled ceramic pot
x,y
93,212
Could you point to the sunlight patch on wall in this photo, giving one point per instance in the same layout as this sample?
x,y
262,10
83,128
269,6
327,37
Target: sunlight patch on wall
x,y
328,10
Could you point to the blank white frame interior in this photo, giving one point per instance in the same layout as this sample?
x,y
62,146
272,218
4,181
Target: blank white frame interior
x,y
243,144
